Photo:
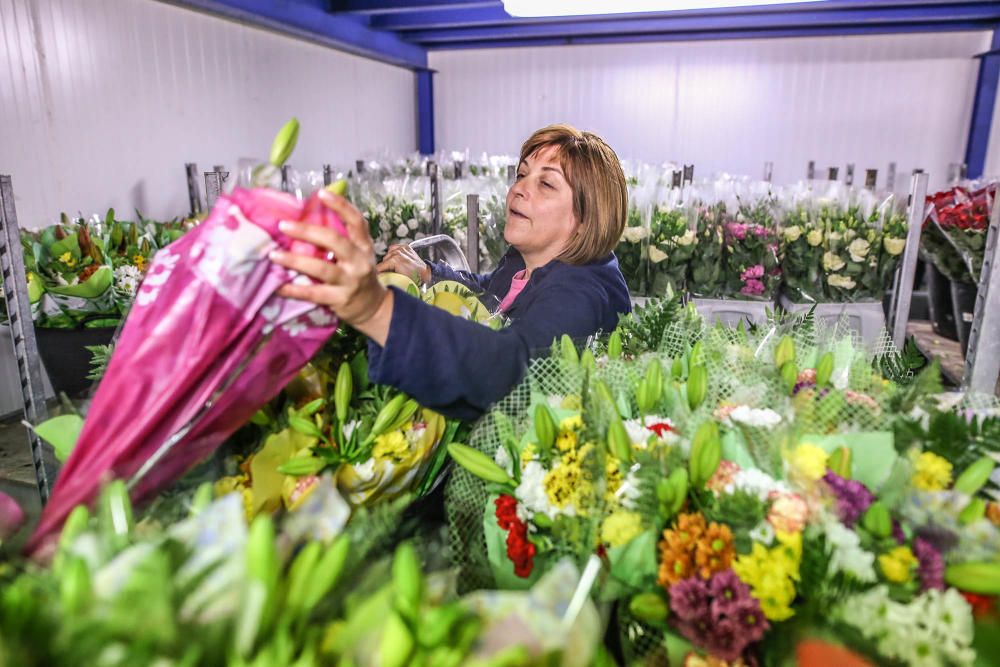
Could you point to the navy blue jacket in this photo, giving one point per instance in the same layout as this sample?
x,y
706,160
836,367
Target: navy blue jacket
x,y
460,368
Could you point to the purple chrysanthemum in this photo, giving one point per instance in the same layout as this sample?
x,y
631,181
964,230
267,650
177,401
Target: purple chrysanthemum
x,y
853,498
689,599
719,616
931,565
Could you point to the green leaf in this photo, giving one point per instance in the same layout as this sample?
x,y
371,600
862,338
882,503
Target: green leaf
x,y
62,433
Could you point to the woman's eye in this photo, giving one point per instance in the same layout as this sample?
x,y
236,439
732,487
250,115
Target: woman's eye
x,y
547,184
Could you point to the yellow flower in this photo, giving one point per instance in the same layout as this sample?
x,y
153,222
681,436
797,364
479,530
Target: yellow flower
x,y
140,262
809,461
391,446
571,423
528,453
613,478
67,259
771,574
932,472
620,528
566,441
898,564
815,237
567,484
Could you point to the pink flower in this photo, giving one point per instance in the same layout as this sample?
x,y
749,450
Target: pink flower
x,y
722,476
788,512
11,516
752,288
737,230
755,271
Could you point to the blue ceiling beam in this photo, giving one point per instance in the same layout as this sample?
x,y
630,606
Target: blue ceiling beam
x,y
816,31
858,18
392,6
982,108
447,16
310,20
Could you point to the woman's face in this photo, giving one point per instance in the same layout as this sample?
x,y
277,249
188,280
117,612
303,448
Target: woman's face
x,y
540,218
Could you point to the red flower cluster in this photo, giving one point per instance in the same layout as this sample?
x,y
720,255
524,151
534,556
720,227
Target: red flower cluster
x,y
959,208
661,429
981,605
520,551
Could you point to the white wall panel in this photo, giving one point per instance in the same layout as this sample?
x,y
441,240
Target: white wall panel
x,y
103,101
726,105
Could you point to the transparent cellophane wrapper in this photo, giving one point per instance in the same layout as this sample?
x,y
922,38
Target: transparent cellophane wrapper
x,y
673,240
965,230
398,209
752,248
842,244
632,250
492,192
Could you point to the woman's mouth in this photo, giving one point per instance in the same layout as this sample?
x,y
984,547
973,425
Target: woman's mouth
x,y
514,213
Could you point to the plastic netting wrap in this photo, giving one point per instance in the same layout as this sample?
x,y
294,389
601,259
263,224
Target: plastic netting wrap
x,y
466,495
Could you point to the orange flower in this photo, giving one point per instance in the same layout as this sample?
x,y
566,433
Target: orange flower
x,y
674,566
692,548
715,551
993,513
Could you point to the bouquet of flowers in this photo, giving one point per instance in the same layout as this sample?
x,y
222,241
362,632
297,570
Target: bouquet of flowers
x,y
312,589
752,252
375,442
841,246
706,277
86,272
631,250
672,245
397,210
962,215
801,268
492,216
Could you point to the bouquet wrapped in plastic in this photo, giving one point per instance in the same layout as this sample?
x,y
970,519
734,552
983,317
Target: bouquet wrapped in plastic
x,y
206,344
962,216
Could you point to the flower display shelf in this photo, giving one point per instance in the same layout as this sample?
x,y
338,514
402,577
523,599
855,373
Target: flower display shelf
x,y
867,318
731,311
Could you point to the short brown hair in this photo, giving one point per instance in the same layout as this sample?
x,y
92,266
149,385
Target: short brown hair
x,y
600,197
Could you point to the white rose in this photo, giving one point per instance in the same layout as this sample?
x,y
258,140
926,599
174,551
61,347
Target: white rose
x,y
379,247
815,237
412,223
832,262
893,245
834,236
656,255
859,250
688,238
402,231
635,234
844,282
793,233
384,225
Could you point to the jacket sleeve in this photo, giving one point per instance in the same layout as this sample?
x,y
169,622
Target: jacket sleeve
x,y
460,368
477,282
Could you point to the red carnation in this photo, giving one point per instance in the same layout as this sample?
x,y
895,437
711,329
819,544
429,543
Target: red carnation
x,y
520,550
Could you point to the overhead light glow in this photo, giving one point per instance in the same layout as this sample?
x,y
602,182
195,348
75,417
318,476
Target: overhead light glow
x,y
538,8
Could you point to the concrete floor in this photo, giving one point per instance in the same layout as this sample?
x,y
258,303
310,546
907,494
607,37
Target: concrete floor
x,y
17,477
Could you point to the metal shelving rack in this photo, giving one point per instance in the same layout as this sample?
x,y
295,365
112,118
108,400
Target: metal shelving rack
x,y
22,331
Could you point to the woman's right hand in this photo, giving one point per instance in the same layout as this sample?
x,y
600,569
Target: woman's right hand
x,y
403,259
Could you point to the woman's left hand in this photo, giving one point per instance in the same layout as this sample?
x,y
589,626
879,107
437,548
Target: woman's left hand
x,y
348,284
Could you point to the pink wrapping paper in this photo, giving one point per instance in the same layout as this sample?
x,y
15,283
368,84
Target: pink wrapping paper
x,y
206,304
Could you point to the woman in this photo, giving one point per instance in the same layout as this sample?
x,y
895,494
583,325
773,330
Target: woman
x,y
565,213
